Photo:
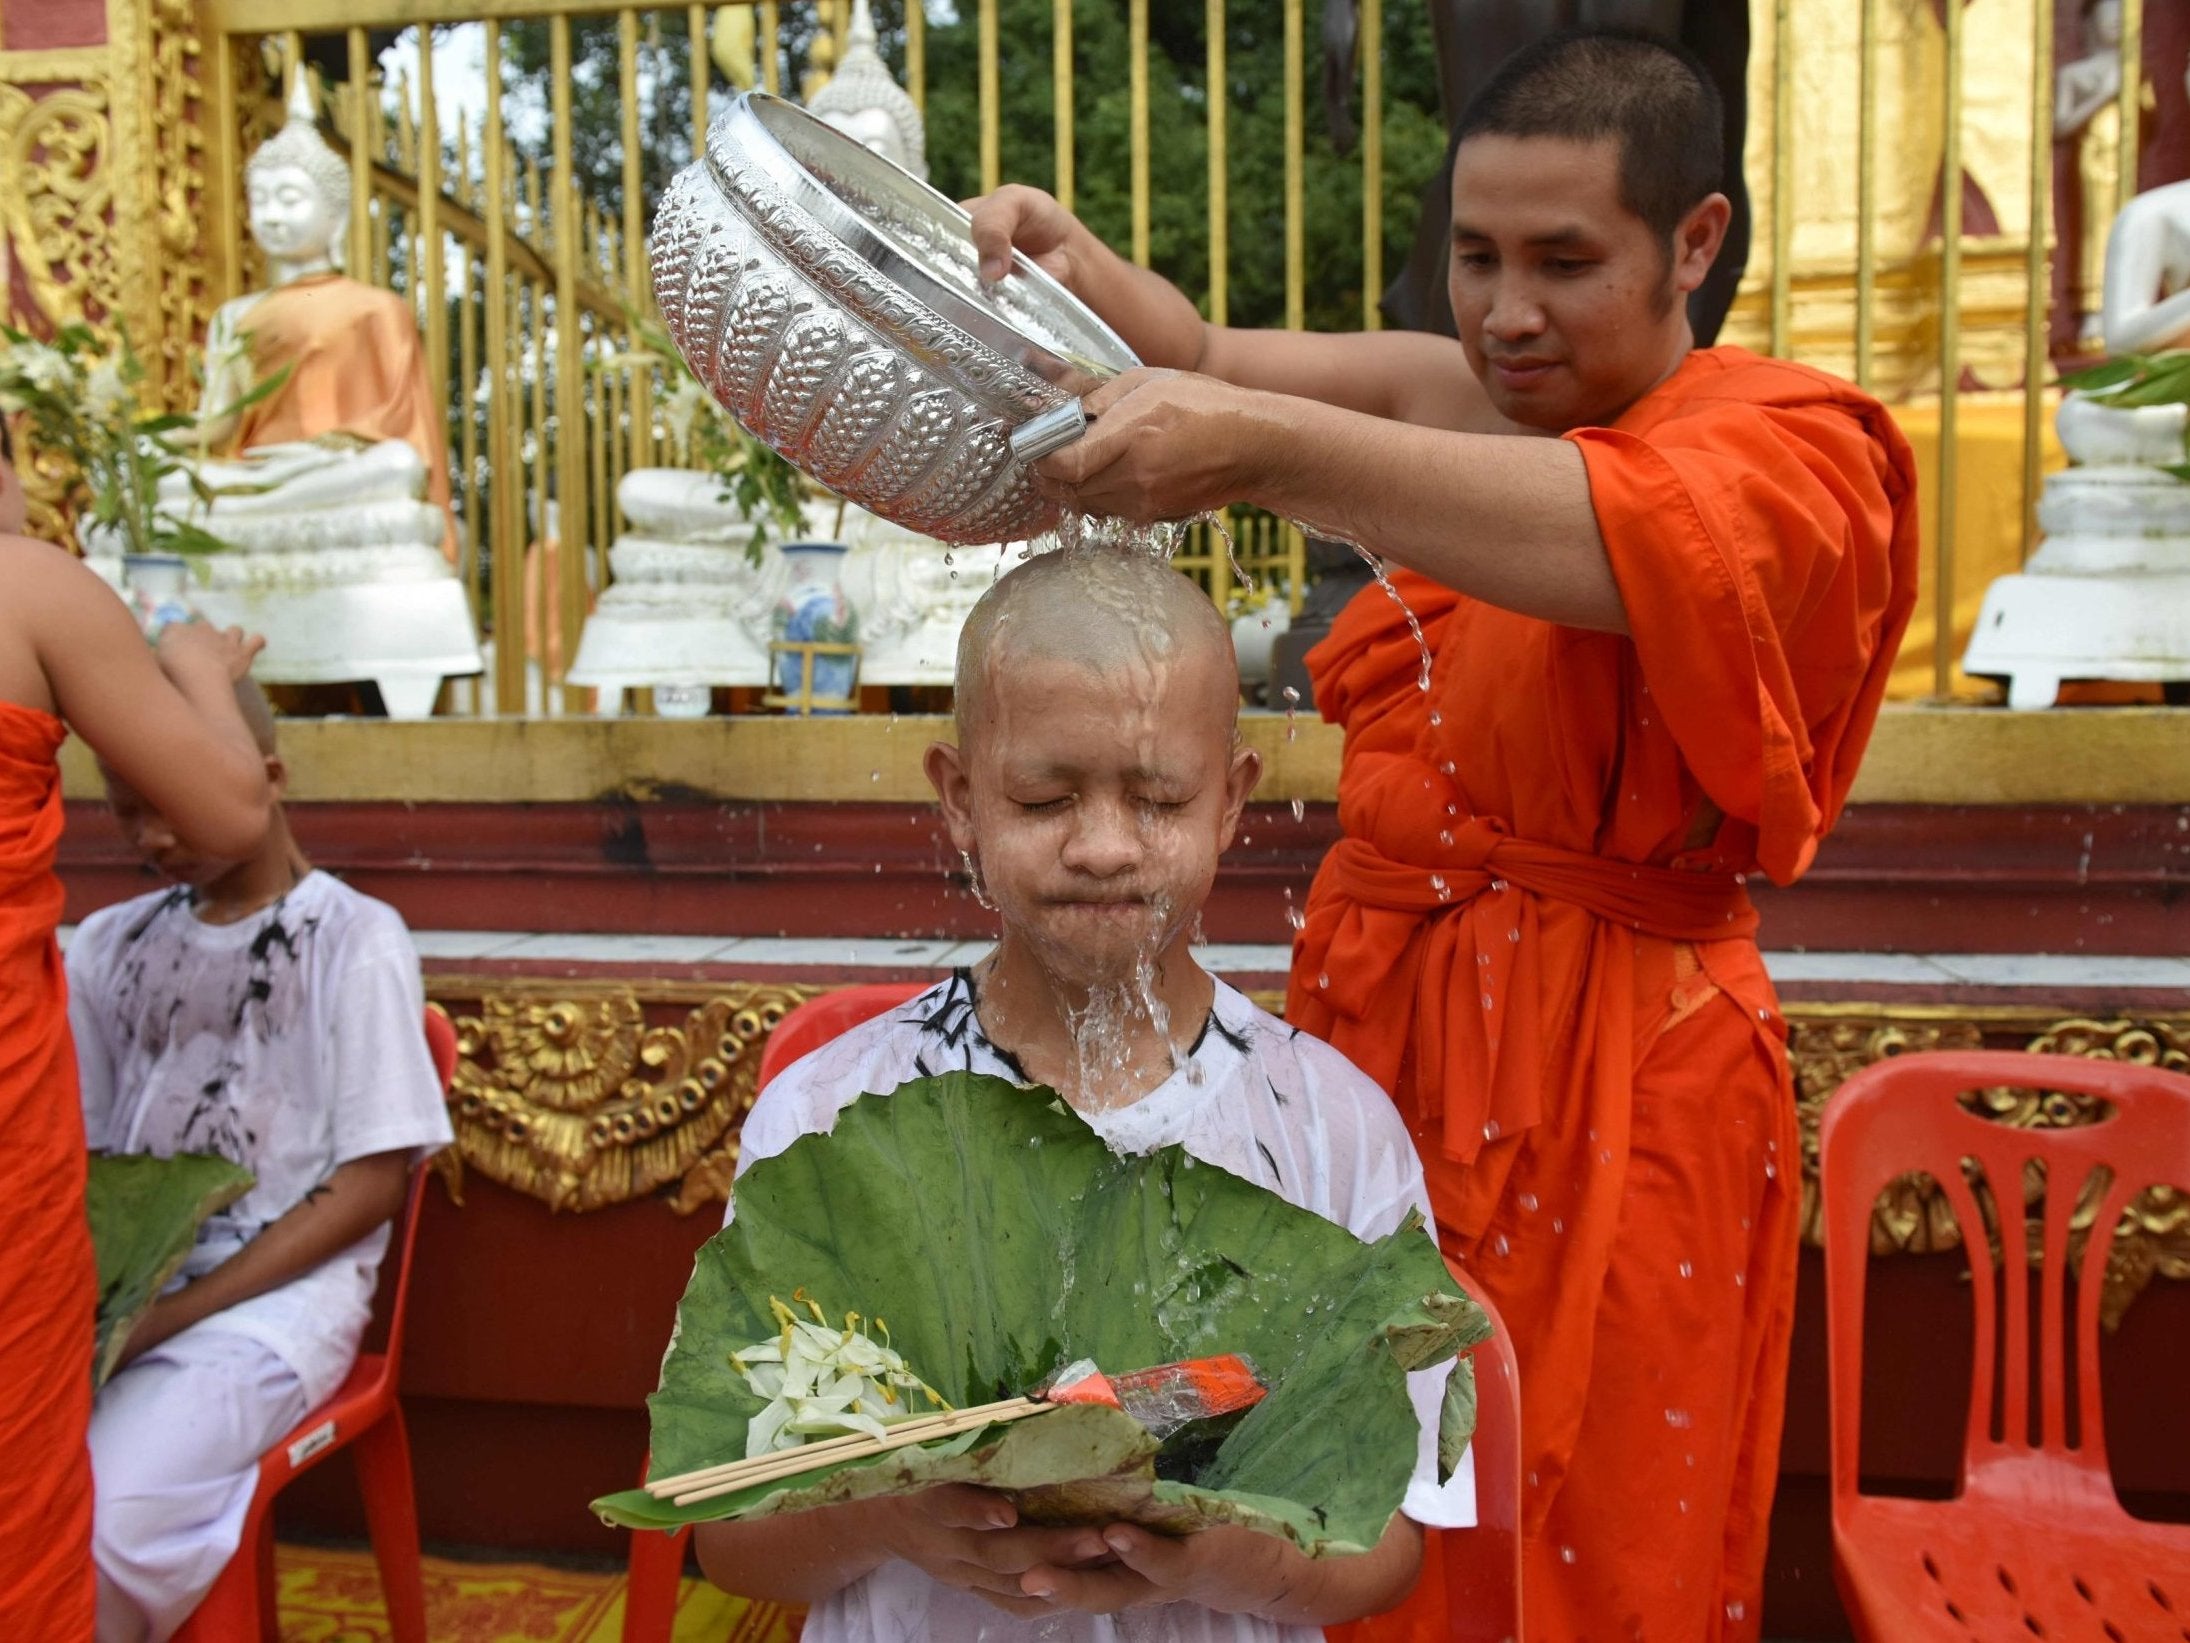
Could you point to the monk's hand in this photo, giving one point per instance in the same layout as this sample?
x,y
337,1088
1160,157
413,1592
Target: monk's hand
x,y
1164,445
184,646
1233,1571
971,1538
1026,220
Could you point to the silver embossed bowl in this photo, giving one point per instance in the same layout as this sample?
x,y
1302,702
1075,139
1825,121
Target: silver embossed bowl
x,y
832,304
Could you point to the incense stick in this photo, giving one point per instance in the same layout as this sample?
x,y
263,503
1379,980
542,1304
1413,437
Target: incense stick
x,y
664,1487
808,1457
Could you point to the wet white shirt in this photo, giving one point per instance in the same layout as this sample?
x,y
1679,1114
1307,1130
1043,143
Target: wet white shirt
x,y
290,1042
1273,1105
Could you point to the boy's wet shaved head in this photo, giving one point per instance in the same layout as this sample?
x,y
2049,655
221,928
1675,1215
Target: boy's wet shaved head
x,y
1101,607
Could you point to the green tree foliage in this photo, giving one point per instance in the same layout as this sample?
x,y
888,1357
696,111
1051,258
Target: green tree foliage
x,y
1178,129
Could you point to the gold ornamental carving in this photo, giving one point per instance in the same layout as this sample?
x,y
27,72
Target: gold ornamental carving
x,y
58,146
578,1102
1912,1214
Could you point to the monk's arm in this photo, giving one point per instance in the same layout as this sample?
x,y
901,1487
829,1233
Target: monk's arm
x,y
166,721
356,1198
1407,376
1504,519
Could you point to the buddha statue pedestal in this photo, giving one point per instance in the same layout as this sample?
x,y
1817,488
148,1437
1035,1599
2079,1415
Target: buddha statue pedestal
x,y
686,608
2107,594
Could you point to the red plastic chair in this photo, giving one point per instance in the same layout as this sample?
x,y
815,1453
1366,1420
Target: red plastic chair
x,y
1483,1564
2035,1544
363,1411
657,1560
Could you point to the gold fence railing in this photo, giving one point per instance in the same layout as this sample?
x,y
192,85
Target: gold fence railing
x,y
1862,260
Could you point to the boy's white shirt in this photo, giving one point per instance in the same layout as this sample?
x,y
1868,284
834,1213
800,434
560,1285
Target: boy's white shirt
x,y
290,1042
1276,1106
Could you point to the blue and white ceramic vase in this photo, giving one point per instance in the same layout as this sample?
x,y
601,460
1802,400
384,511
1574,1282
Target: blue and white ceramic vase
x,y
157,588
813,610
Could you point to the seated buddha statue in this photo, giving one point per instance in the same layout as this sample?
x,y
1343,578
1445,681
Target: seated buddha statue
x,y
2146,310
347,451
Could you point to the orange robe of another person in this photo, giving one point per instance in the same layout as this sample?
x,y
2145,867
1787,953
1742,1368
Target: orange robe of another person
x,y
356,366
48,1282
1535,934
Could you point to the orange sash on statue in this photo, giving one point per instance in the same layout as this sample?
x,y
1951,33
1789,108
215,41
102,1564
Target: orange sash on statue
x,y
47,1279
356,366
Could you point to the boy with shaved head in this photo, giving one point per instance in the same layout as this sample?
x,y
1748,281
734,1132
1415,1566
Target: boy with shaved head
x,y
1096,778
258,1009
1664,586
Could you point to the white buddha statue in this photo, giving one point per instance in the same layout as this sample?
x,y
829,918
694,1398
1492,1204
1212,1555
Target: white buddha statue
x,y
333,488
2107,594
863,101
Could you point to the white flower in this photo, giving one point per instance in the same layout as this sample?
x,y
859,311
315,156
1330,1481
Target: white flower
x,y
106,395
42,368
823,1382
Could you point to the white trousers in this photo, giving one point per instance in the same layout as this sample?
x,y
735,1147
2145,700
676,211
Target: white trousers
x,y
175,1444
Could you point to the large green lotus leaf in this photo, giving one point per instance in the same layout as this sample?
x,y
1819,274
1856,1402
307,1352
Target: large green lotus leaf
x,y
999,1237
145,1213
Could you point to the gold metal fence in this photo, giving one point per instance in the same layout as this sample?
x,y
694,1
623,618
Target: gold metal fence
x,y
1846,268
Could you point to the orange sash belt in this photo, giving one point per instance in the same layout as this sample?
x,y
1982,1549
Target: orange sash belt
x,y
1382,968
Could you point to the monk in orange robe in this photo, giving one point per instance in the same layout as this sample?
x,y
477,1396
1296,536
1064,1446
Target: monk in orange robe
x,y
68,648
1651,649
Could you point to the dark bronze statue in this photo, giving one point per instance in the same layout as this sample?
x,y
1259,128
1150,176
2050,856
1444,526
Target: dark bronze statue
x,y
1473,37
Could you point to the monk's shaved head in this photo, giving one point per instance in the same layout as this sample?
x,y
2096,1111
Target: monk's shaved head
x,y
1103,608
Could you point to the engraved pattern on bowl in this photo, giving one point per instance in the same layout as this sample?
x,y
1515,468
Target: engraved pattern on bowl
x,y
828,302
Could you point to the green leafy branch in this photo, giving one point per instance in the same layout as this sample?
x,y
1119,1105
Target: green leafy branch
x,y
2136,380
762,486
84,403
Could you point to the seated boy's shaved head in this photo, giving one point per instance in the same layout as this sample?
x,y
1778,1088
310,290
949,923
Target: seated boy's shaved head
x,y
258,715
1101,607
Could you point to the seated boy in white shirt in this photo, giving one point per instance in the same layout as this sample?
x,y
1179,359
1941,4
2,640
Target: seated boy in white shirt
x,y
268,1013
1097,778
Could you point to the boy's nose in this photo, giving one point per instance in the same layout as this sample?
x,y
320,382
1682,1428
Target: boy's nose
x,y
1106,841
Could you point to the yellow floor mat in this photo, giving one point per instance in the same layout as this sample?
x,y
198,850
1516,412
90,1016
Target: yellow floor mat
x,y
332,1595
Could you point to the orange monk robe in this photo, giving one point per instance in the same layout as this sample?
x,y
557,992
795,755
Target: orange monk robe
x,y
1534,933
356,366
48,1281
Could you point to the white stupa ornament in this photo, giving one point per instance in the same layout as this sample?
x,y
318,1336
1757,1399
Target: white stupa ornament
x,y
864,101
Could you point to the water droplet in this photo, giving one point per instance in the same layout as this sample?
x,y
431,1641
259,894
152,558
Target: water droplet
x,y
1482,958
1300,809
1736,1609
1436,718
1688,1269
1535,1478
1447,768
1490,1130
1500,1244
1771,1172
1498,885
1444,890
1558,1225
1528,1202
1741,1280
1513,935
1604,1155
1566,1554
1679,1419
1444,838
874,775
1487,1004
1323,979
1682,1504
